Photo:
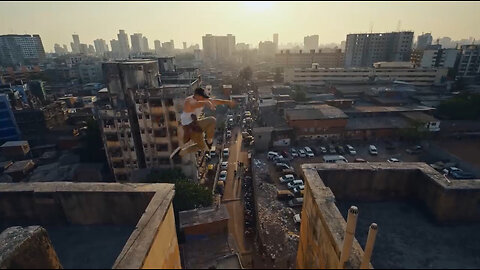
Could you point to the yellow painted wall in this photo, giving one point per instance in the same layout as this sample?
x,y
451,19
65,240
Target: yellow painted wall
x,y
164,252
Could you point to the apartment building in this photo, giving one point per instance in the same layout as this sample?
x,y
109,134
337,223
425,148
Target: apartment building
x,y
469,64
362,50
404,72
139,121
324,58
21,50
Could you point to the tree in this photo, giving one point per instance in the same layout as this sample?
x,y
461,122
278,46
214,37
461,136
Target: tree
x,y
188,194
300,95
246,73
461,107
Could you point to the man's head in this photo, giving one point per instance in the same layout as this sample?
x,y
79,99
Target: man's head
x,y
200,94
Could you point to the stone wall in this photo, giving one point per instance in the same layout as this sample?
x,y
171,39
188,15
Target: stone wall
x,y
25,248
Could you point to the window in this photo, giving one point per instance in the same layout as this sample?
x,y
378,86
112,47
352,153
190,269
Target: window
x,y
140,116
162,147
147,116
143,131
168,102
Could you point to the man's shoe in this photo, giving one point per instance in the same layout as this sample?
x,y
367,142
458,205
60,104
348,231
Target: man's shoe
x,y
175,152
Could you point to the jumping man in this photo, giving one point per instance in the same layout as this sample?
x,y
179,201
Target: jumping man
x,y
194,128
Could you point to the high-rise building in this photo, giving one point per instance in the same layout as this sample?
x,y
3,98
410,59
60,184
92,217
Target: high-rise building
x,y
423,41
434,56
21,50
218,47
310,43
123,44
59,50
242,47
115,45
469,65
145,47
168,47
333,58
137,41
139,122
91,49
275,41
158,47
100,46
266,48
75,44
362,50
65,48
83,48
184,45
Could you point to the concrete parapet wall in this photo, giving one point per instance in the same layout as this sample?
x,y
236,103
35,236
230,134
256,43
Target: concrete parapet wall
x,y
25,248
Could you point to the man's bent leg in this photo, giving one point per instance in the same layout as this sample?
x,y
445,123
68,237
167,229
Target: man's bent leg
x,y
199,144
208,125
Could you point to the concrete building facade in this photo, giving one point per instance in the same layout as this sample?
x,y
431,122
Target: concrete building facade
x,y
9,130
310,43
389,72
423,41
362,50
469,64
218,47
324,59
21,50
140,125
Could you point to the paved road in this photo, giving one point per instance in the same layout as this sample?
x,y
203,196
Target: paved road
x,y
232,194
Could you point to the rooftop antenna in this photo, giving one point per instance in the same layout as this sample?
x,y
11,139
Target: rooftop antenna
x,y
399,25
371,27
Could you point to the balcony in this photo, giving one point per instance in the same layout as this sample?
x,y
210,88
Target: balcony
x,y
113,144
156,110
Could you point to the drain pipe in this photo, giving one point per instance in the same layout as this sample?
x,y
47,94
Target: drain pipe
x,y
349,235
372,234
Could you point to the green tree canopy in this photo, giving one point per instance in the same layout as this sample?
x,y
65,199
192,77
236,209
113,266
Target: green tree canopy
x,y
461,107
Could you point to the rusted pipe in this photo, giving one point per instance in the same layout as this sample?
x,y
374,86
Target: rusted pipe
x,y
349,235
372,234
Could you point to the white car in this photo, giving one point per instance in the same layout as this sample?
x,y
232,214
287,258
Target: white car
x,y
223,176
295,183
309,152
224,165
229,134
302,153
226,152
294,152
351,150
298,189
272,154
372,149
393,160
286,178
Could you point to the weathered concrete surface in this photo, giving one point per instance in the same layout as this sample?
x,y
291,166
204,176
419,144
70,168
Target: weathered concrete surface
x,y
448,202
27,248
153,243
322,229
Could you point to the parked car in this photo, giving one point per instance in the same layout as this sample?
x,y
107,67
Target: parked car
x,y
277,158
226,152
331,149
294,184
323,150
286,178
372,150
298,189
223,176
295,202
229,134
283,166
462,175
334,159
309,152
393,160
272,154
301,153
351,150
360,160
296,218
340,149
224,165
294,152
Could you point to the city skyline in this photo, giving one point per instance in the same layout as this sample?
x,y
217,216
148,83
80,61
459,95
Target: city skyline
x,y
159,21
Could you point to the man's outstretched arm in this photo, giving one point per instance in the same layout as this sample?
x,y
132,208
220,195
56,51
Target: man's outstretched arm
x,y
217,102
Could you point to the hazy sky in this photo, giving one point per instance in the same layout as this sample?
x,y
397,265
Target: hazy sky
x,y
250,22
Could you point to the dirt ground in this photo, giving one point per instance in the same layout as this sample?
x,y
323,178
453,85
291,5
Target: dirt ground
x,y
466,149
